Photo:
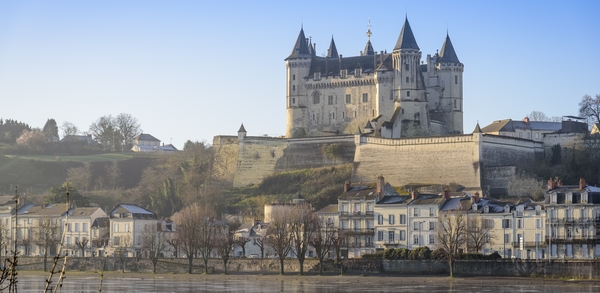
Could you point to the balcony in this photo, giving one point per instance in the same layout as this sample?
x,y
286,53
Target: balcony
x,y
533,244
391,242
361,245
355,231
575,239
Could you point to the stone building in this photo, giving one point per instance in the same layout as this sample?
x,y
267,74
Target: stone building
x,y
337,94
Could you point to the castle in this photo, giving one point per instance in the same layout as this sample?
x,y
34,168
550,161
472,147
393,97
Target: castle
x,y
396,94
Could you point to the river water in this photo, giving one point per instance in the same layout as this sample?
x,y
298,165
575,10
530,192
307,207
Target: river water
x,y
273,284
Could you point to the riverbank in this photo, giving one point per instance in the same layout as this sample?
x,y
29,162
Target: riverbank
x,y
388,279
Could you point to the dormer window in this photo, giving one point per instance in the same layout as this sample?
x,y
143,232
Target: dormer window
x,y
507,209
357,72
317,76
553,199
569,197
584,197
344,73
474,207
486,209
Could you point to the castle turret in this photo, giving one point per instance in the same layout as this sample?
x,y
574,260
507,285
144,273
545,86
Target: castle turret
x,y
297,67
332,51
409,86
241,133
450,71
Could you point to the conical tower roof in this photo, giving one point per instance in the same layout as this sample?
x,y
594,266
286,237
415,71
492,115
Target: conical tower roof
x,y
406,40
300,49
477,129
369,51
332,51
242,129
448,55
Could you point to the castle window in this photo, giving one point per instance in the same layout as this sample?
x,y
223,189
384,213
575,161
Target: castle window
x,y
313,117
408,93
293,77
456,79
293,100
407,79
317,76
365,97
316,98
343,115
454,104
357,72
330,100
293,88
354,114
348,99
406,66
373,112
343,73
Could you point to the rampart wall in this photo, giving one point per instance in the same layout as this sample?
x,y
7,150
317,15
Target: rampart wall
x,y
259,157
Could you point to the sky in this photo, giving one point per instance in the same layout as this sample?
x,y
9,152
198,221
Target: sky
x,y
190,70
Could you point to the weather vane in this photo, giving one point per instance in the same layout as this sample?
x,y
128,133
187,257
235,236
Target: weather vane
x,y
369,33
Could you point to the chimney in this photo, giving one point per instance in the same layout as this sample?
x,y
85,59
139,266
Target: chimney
x,y
551,184
380,184
526,120
476,197
582,183
560,183
414,194
447,193
347,185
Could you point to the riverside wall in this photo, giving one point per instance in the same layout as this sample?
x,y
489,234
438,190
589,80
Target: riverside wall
x,y
488,268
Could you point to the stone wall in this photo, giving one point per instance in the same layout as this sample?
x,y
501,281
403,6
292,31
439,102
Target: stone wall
x,y
259,157
435,160
506,268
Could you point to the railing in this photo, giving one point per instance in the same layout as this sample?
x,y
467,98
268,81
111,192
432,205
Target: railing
x,y
576,239
391,242
357,231
369,213
359,245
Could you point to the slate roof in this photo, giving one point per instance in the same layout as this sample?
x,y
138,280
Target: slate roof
x,y
510,125
369,51
423,199
561,191
146,137
300,49
406,40
447,54
82,212
332,208
394,199
130,208
332,66
332,51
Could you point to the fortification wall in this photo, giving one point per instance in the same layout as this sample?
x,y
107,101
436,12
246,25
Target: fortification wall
x,y
259,157
508,151
437,160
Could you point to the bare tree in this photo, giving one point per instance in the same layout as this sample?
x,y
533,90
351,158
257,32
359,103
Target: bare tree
x,y
100,243
69,129
241,242
262,243
301,230
47,236
5,238
81,177
153,244
224,245
121,249
479,233
590,108
113,174
196,232
279,237
451,236
128,128
104,130
82,244
538,116
174,242
321,239
207,235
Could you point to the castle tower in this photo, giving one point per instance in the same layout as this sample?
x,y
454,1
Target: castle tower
x,y
450,71
297,67
409,86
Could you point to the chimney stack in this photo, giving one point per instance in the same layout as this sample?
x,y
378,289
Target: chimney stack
x,y
414,194
347,185
380,184
582,183
560,183
526,120
476,197
447,193
551,184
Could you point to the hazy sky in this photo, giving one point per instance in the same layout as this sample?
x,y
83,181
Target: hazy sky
x,y
195,69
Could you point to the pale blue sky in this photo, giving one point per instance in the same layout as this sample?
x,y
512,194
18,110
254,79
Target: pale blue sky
x,y
195,69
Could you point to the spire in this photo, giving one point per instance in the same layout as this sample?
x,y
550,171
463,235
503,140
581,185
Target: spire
x,y
448,55
310,46
369,48
332,51
406,40
300,48
242,129
477,129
